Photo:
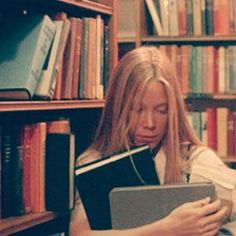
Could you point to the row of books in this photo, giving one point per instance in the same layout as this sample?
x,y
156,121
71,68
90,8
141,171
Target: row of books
x,y
193,17
84,68
204,69
57,57
37,168
216,127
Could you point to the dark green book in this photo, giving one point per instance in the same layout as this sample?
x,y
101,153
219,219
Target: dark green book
x,y
24,45
95,181
59,172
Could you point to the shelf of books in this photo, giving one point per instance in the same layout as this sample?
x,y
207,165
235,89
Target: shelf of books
x,y
55,61
199,37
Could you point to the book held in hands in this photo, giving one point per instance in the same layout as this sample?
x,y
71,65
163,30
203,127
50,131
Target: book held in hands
x,y
136,206
95,180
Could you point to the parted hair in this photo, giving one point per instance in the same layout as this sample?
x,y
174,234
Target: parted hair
x,y
133,72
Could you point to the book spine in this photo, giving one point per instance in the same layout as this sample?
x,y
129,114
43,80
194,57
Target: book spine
x,y
17,174
59,172
155,17
69,60
6,193
209,17
43,44
49,74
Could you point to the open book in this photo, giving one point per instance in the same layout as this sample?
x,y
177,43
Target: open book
x,y
95,181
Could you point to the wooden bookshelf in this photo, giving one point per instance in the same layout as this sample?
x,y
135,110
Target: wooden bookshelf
x,y
98,7
189,39
83,114
49,105
14,225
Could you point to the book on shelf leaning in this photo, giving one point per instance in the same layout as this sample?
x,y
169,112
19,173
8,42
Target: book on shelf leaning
x,y
24,47
155,17
49,73
95,180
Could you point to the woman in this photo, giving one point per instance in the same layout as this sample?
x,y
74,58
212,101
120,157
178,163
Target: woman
x,y
144,106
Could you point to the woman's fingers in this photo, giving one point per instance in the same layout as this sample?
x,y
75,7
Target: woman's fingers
x,y
218,216
211,207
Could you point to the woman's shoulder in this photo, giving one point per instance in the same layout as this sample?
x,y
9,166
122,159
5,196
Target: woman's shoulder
x,y
191,152
193,155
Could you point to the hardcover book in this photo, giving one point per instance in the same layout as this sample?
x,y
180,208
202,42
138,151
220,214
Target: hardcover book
x,y
49,73
24,47
60,160
155,17
136,206
96,179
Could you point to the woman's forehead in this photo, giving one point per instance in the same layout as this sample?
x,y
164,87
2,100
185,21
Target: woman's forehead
x,y
154,90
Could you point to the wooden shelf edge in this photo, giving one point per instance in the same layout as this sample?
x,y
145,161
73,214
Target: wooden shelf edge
x,y
90,5
210,96
16,224
166,39
16,106
127,40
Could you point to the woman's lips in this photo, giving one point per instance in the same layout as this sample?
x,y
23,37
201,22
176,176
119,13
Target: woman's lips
x,y
146,139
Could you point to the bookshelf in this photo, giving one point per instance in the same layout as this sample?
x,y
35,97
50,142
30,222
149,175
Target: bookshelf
x,y
144,33
83,114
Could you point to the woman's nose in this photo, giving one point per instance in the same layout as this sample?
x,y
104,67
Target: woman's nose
x,y
148,120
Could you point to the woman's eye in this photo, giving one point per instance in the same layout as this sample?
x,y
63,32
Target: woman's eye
x,y
161,110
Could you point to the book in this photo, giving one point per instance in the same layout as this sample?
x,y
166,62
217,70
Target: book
x,y
6,156
11,174
221,131
59,126
68,60
152,203
209,17
27,133
95,180
59,171
37,187
173,18
197,19
49,74
57,86
99,89
16,172
164,15
76,65
126,19
155,17
24,47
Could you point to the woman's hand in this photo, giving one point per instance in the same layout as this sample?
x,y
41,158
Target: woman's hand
x,y
196,218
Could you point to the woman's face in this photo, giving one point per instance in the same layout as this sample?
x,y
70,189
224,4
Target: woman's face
x,y
149,115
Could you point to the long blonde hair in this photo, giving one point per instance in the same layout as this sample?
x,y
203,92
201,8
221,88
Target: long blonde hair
x,y
136,69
